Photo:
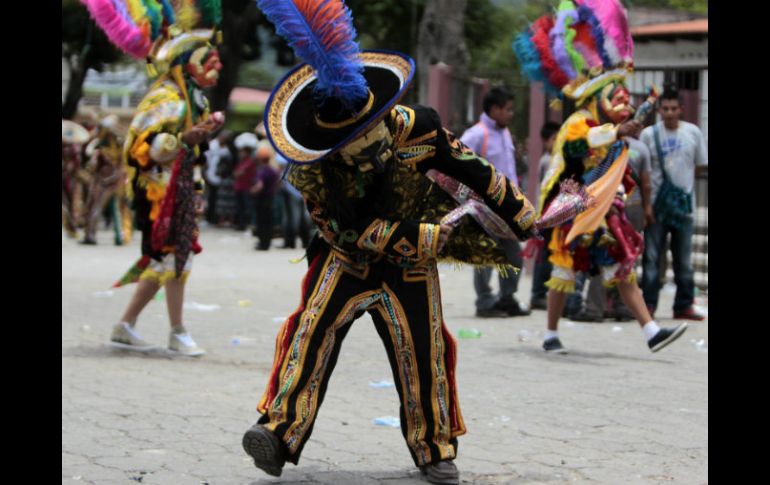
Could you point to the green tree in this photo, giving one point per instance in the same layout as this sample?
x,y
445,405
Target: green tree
x,y
240,43
83,46
387,24
696,6
490,30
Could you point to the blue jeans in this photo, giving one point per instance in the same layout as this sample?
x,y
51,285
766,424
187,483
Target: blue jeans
x,y
596,296
681,252
244,209
485,299
296,219
541,274
575,300
264,215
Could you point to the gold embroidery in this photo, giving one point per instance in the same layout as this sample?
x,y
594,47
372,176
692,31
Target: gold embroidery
x,y
440,389
403,348
307,399
295,357
377,235
404,247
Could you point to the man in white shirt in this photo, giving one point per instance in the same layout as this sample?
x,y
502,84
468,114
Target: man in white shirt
x,y
678,154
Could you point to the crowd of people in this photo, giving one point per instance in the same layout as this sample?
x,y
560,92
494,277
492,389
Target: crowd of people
x,y
244,187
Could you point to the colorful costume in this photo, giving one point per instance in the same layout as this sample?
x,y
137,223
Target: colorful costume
x,y
158,163
107,181
73,136
584,54
378,179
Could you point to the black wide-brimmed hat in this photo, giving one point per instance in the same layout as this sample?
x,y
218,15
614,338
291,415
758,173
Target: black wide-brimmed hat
x,y
305,131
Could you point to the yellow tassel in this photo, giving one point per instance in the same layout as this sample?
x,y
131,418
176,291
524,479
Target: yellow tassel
x,y
631,278
558,284
297,260
219,37
151,275
555,104
162,278
152,71
504,269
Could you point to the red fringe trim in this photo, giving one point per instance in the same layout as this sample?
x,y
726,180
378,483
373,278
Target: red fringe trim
x,y
283,340
451,363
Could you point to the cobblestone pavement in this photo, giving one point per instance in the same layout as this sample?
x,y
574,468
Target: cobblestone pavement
x,y
609,412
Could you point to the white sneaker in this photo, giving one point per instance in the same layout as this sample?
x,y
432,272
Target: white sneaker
x,y
182,343
125,337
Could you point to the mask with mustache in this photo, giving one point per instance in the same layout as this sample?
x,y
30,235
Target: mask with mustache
x,y
615,104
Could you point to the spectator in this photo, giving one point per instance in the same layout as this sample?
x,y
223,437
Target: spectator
x,y
491,139
678,153
243,179
263,190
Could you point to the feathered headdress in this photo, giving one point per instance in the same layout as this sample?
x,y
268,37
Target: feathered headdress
x,y
585,46
159,31
322,34
340,91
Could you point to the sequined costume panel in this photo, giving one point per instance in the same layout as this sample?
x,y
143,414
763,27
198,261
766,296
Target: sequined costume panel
x,y
416,203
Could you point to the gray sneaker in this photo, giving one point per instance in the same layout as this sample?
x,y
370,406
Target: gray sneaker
x,y
441,472
125,337
183,343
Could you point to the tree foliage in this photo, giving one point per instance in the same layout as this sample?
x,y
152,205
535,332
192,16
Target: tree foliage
x,y
84,46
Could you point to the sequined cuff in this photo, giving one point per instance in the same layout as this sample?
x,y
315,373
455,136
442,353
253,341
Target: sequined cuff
x,y
427,246
602,135
376,236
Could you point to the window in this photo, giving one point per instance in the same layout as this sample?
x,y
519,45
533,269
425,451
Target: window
x,y
688,80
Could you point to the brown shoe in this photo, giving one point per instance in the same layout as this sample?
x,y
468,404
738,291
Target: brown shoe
x,y
266,448
442,472
690,314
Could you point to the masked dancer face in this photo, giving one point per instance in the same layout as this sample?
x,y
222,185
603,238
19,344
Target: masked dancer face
x,y
204,66
371,151
615,103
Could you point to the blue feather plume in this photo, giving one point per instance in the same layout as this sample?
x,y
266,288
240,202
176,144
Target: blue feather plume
x,y
321,33
168,11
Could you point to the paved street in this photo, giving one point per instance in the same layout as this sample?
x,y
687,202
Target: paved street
x,y
609,412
